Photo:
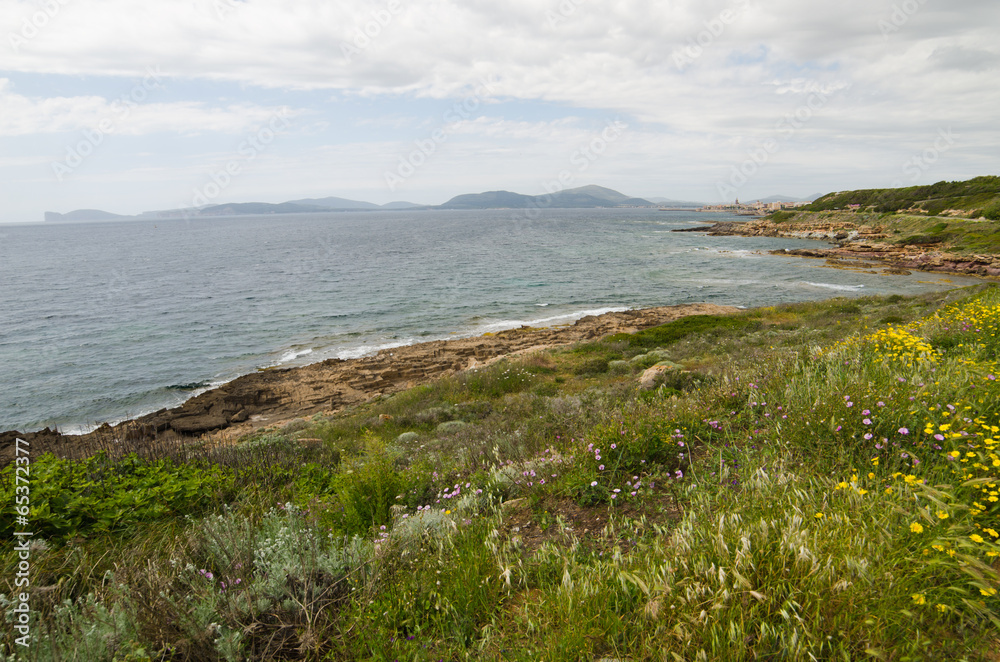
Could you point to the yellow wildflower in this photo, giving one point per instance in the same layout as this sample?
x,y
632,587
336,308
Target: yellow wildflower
x,y
916,527
918,598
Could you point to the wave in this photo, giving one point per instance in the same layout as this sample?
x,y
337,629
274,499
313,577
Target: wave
x,y
554,320
833,286
293,354
368,350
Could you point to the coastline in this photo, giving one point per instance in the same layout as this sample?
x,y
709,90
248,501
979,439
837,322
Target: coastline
x,y
274,395
860,243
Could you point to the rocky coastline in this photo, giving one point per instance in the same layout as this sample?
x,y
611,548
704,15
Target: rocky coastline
x,y
857,245
271,396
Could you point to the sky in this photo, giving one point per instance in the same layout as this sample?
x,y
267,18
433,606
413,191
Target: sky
x,y
134,105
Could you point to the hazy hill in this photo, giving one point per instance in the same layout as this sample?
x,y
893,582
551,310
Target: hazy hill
x,y
334,202
82,215
583,197
670,202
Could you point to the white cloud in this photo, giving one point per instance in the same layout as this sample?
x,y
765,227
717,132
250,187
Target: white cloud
x,y
127,115
893,73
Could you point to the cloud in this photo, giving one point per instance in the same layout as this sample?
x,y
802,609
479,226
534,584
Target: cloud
x,y
699,81
127,115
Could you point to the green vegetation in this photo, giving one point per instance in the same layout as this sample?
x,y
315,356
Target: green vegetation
x,y
815,481
980,193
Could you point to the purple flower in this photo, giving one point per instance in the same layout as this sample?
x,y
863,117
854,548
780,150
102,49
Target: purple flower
x,y
614,446
593,484
867,421
600,467
903,431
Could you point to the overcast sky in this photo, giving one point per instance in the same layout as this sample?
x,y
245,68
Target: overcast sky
x,y
127,105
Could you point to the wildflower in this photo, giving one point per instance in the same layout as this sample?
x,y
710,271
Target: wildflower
x,y
904,431
820,515
975,537
918,598
988,591
600,467
916,527
942,515
941,608
593,484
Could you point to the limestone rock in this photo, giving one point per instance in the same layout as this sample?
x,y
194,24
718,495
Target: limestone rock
x,y
651,377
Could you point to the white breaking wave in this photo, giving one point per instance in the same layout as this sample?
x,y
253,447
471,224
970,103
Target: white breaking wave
x,y
832,286
555,320
293,354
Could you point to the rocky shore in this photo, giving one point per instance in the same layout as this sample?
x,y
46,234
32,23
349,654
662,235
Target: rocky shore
x,y
270,396
857,245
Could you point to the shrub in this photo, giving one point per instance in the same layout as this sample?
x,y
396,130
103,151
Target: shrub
x,y
76,497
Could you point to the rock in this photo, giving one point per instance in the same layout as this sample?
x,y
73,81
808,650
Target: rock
x,y
198,424
651,377
449,427
407,438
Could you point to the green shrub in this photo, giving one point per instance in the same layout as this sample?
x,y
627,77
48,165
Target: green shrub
x,y
495,381
367,488
76,497
992,212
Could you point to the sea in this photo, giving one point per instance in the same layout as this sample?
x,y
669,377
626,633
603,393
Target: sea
x,y
104,321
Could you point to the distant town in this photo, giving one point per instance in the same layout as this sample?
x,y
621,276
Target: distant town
x,y
756,208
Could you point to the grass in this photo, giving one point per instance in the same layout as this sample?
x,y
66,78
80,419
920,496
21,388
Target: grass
x,y
816,481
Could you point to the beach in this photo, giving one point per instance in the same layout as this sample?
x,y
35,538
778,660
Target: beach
x,y
271,396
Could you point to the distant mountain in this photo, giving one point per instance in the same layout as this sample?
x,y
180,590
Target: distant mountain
x,y
402,205
785,198
81,215
243,208
334,203
668,202
584,197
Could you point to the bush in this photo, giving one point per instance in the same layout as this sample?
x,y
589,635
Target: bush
x,y
992,212
76,497
367,488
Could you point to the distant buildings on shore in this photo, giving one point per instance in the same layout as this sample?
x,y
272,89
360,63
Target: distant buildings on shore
x,y
756,208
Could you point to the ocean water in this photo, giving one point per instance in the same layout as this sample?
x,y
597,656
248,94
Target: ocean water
x,y
105,321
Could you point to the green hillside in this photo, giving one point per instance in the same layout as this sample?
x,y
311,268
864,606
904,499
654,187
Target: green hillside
x,y
978,197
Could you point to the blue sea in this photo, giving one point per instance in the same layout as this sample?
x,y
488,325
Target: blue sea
x,y
106,321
